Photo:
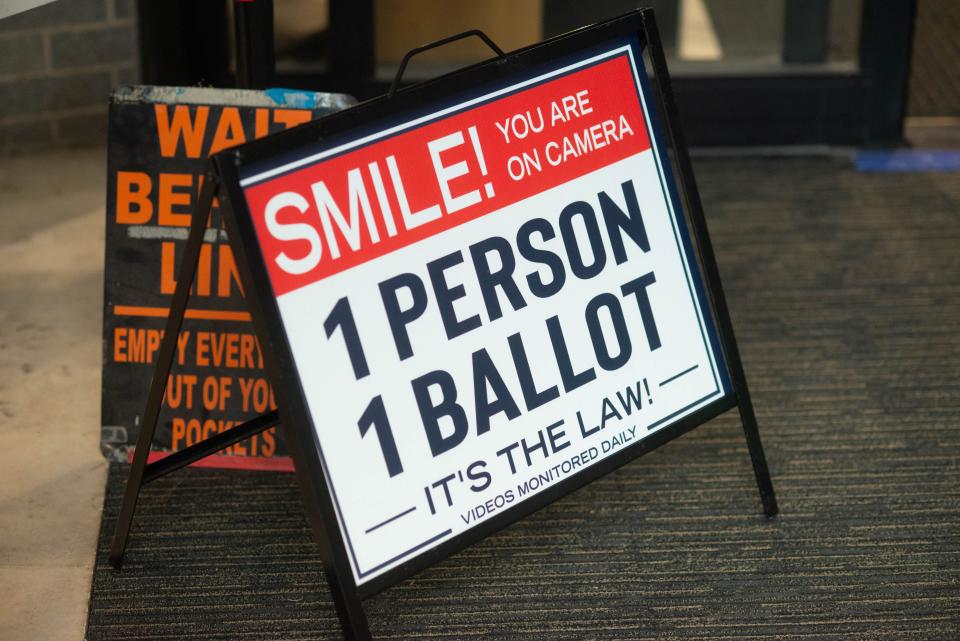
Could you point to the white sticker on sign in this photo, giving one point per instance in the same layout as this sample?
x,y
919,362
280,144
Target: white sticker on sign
x,y
483,302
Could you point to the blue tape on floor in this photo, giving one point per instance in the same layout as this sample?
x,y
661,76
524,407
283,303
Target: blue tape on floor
x,y
908,160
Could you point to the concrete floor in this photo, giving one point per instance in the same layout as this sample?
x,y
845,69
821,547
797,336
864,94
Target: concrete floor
x,y
51,472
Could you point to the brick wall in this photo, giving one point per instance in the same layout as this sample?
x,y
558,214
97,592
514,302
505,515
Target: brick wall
x,y
58,65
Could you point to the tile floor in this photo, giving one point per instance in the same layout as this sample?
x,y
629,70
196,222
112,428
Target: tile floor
x,y
51,472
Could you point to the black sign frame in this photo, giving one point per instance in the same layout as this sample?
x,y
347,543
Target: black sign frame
x,y
224,179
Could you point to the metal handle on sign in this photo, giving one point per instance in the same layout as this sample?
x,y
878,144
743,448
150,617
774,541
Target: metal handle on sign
x,y
440,43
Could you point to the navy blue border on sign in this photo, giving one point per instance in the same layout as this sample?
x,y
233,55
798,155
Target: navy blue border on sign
x,y
655,131
296,421
688,258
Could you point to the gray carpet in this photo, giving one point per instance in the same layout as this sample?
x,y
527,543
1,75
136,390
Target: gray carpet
x,y
845,293
934,73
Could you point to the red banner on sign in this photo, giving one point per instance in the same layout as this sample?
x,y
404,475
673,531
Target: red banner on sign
x,y
339,212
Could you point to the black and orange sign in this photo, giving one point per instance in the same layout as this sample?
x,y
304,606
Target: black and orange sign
x,y
160,139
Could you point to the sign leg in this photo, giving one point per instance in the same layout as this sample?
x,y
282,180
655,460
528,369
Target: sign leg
x,y
353,618
165,354
711,272
757,457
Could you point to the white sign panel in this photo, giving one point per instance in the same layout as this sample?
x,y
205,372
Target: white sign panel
x,y
483,301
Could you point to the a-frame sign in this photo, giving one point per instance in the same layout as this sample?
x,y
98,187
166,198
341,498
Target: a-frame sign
x,y
473,296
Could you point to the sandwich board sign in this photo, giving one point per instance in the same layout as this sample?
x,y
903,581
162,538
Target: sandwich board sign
x,y
477,295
